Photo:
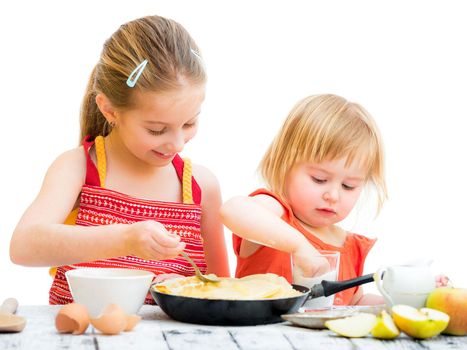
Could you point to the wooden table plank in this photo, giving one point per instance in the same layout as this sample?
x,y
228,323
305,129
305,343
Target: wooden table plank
x,y
313,339
40,333
270,339
445,342
401,343
199,339
158,331
143,338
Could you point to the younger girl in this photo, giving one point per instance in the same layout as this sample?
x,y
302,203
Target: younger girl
x,y
134,200
327,151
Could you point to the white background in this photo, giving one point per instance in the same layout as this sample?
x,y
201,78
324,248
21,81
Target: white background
x,y
405,61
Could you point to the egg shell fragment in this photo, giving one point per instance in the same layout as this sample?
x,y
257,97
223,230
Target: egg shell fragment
x,y
131,322
72,318
113,320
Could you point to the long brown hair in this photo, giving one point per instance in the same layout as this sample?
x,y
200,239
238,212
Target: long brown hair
x,y
171,53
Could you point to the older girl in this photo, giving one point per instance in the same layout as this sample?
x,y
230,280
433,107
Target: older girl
x,y
134,202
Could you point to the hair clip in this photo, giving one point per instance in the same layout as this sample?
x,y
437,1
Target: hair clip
x,y
196,54
134,76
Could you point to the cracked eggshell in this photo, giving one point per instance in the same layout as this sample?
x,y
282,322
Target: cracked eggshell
x,y
72,318
113,320
131,322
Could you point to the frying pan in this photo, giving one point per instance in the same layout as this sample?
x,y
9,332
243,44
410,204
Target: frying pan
x,y
226,312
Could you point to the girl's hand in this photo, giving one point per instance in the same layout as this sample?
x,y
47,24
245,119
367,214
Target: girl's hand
x,y
150,240
442,281
311,264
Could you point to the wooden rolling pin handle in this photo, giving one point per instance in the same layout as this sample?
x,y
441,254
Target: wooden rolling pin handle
x,y
9,306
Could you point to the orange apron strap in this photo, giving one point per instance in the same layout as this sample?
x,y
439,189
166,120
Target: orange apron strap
x,y
186,182
101,160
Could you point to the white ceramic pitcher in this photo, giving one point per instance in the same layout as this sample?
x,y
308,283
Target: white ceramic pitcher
x,y
407,284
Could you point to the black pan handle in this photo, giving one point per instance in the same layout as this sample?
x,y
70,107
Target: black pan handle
x,y
333,287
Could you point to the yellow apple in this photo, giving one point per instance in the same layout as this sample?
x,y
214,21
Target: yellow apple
x,y
355,326
385,327
452,301
420,324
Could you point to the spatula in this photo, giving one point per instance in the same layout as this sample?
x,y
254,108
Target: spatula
x,y
327,288
205,278
8,321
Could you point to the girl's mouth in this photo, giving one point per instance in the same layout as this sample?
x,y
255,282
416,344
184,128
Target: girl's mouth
x,y
326,211
164,155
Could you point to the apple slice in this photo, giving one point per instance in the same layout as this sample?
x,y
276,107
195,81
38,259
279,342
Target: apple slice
x,y
385,327
421,324
355,326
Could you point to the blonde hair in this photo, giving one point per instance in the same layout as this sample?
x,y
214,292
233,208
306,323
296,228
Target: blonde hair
x,y
171,53
325,127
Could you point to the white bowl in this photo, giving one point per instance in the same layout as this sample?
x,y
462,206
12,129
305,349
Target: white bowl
x,y
95,288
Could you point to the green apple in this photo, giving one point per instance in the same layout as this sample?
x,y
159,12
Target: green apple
x,y
385,327
355,326
452,301
421,324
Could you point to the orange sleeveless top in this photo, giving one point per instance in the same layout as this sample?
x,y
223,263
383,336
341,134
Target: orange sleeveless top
x,y
101,206
352,254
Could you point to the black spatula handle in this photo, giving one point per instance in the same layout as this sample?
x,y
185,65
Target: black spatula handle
x,y
333,287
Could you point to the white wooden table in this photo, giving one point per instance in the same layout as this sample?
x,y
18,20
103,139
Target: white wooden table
x,y
157,331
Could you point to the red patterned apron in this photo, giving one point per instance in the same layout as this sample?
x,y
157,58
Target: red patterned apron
x,y
101,206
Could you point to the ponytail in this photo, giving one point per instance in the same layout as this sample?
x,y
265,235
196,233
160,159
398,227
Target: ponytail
x,y
91,119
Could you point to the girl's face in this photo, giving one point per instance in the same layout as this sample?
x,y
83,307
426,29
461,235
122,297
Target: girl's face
x,y
158,128
323,194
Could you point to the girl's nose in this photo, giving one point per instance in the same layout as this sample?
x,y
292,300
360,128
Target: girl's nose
x,y
177,142
331,195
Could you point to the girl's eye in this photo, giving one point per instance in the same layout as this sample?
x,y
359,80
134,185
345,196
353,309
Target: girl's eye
x,y
190,125
318,180
156,132
347,187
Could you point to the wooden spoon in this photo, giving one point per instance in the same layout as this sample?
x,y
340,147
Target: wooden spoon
x,y
8,321
205,278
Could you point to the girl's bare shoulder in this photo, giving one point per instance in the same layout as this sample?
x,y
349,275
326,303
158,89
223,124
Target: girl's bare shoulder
x,y
69,163
205,178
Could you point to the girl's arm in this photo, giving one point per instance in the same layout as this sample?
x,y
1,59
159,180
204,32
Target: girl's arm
x,y
40,238
258,220
212,229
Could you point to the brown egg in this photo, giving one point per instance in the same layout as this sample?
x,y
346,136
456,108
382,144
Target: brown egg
x,y
72,318
113,320
131,322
